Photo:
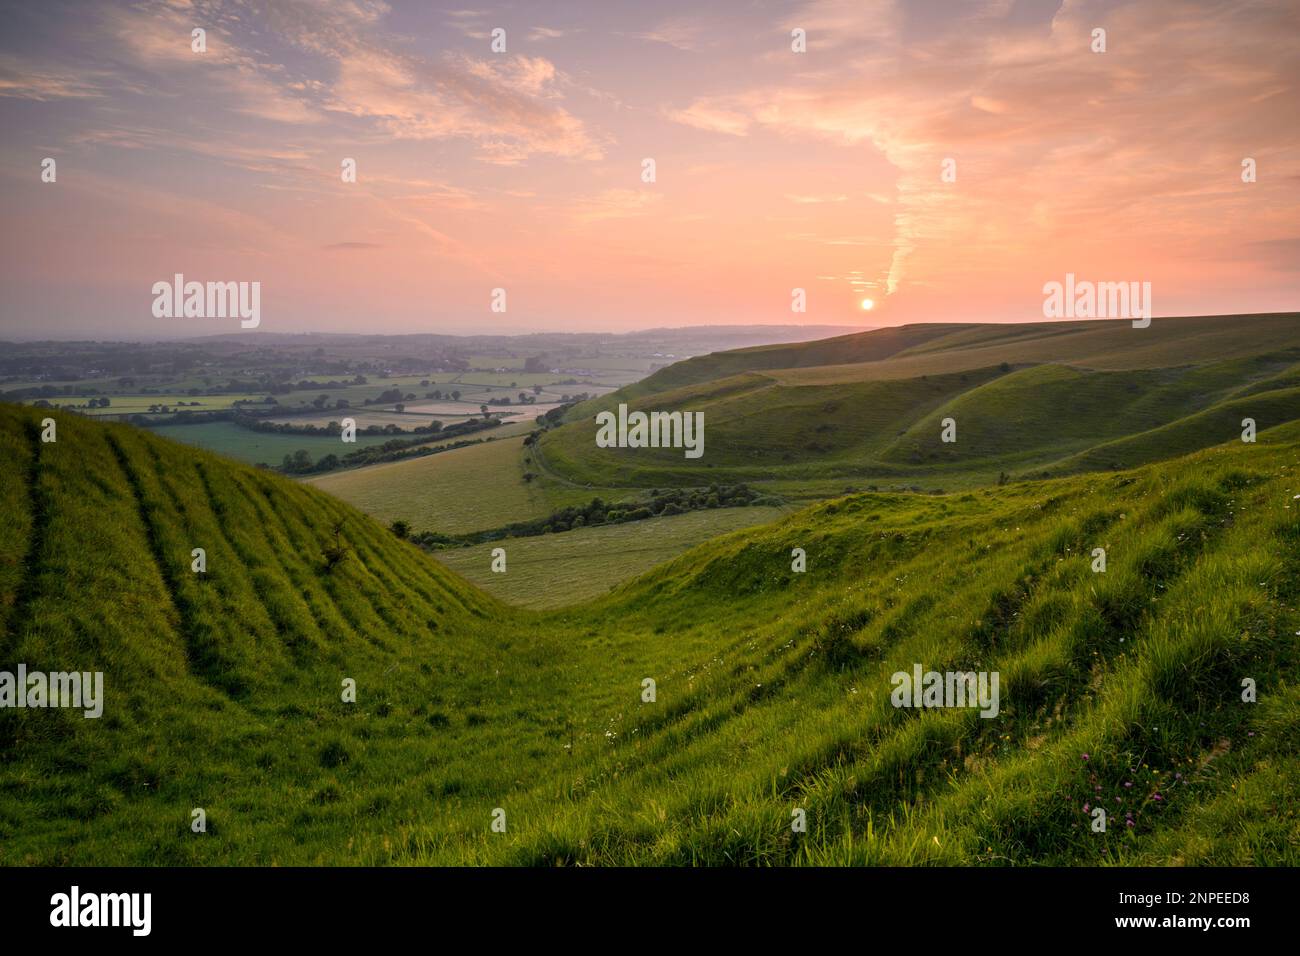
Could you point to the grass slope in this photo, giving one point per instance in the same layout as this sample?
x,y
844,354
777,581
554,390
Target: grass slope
x,y
547,571
773,687
475,488
1035,399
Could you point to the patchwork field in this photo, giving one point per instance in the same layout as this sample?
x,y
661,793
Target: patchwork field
x,y
140,404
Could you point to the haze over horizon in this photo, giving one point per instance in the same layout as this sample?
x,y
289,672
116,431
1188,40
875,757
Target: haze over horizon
x,y
522,169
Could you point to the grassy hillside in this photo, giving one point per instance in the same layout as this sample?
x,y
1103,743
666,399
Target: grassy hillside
x,y
934,348
1030,400
468,489
553,570
223,691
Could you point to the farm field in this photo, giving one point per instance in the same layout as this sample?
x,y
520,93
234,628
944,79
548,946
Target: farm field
x,y
552,570
474,389
365,417
470,409
253,447
139,404
468,489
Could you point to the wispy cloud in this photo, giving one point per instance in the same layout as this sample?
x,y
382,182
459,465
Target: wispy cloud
x,y
22,79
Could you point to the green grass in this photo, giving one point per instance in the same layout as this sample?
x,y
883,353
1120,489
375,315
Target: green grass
x,y
227,438
547,571
223,691
1029,400
468,489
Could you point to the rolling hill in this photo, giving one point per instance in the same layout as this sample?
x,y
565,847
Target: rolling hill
x,y
772,687
1032,400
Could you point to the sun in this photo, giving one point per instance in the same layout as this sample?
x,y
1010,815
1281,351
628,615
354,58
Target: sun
x,y
867,305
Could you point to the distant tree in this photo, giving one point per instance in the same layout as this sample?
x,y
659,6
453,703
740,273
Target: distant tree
x,y
455,396
401,528
484,410
424,383
537,389
399,407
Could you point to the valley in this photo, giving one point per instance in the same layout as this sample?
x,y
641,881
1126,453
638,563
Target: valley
x,y
520,692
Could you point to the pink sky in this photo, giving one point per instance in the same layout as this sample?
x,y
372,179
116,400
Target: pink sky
x,y
522,169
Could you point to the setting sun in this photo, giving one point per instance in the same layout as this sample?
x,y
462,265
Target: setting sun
x,y
868,305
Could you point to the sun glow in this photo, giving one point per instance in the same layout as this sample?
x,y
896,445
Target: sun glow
x,y
868,305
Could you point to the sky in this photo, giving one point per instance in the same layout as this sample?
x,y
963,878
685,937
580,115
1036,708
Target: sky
x,y
940,158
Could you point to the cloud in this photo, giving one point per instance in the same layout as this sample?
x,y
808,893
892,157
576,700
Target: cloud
x,y
158,39
681,33
506,105
20,79
1050,140
714,117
